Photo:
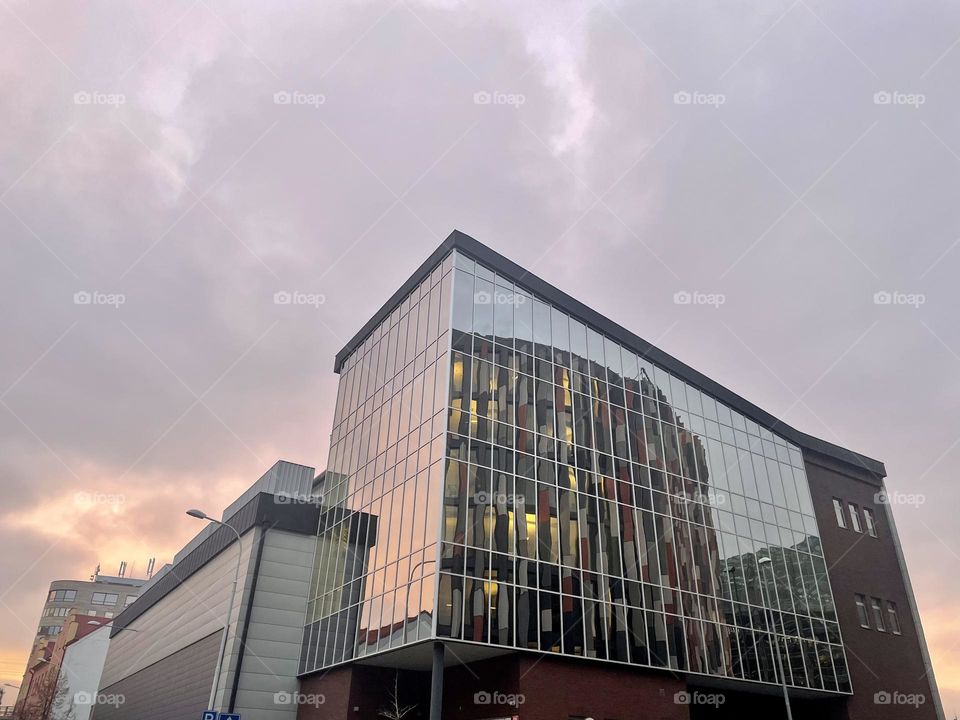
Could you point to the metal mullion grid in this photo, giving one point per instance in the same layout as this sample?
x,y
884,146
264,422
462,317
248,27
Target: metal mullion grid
x,y
755,632
596,398
790,589
639,537
714,580
325,613
488,541
589,646
684,525
822,618
363,580
575,568
832,596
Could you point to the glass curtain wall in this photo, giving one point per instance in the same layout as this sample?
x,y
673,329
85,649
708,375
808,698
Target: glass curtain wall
x,y
586,501
595,505
374,581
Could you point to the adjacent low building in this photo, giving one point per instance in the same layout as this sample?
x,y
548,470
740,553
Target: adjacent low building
x,y
102,596
163,650
48,693
80,669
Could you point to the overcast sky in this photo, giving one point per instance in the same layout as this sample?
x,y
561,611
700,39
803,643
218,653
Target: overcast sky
x,y
166,168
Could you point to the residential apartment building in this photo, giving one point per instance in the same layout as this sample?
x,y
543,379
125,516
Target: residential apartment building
x,y
102,596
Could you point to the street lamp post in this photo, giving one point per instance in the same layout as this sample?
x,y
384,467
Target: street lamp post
x,y
765,596
200,515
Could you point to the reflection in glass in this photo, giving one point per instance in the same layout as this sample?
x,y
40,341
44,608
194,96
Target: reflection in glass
x,y
636,524
586,501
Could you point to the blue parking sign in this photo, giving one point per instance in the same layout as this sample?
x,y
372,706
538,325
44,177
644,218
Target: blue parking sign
x,y
209,715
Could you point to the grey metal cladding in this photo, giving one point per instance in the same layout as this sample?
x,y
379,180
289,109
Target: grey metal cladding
x,y
174,688
262,509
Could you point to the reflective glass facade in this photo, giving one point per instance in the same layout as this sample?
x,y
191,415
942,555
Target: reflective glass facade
x,y
585,502
375,567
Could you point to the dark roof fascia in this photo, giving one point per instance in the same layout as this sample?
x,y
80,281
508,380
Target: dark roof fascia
x,y
539,287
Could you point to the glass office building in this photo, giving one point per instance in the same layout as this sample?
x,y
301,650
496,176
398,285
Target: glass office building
x,y
504,473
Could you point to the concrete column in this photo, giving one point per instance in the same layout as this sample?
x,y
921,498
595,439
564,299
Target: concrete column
x,y
436,683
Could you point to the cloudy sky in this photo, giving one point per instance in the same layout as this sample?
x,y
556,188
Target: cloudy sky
x,y
166,168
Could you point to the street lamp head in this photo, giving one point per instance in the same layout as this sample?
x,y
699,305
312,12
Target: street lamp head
x,y
199,514
764,561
